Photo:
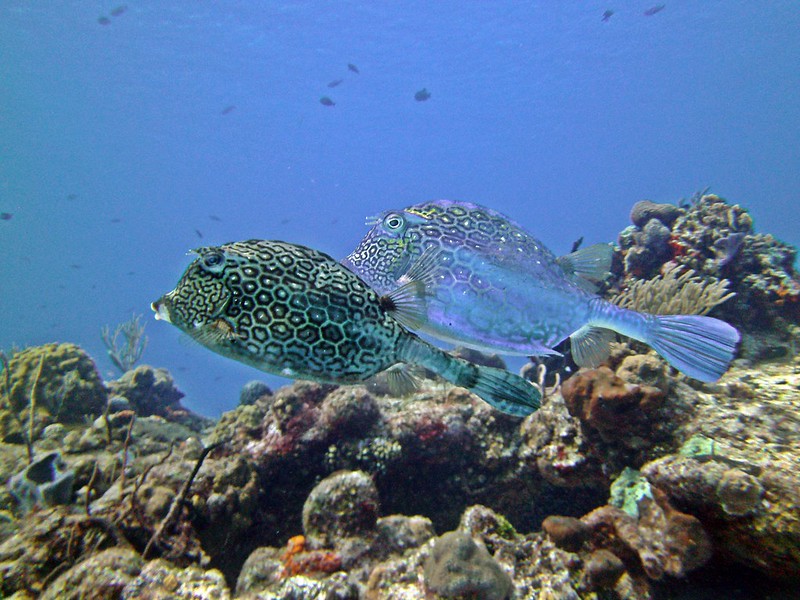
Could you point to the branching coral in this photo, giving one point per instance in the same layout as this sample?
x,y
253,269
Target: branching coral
x,y
125,353
674,293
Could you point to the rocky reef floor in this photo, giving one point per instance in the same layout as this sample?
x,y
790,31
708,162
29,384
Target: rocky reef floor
x,y
630,482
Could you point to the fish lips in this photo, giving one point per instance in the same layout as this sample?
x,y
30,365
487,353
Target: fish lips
x,y
160,308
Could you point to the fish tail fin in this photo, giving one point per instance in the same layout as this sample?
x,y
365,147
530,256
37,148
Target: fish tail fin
x,y
505,391
698,346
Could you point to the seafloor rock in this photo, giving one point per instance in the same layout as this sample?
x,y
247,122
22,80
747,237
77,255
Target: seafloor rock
x,y
663,540
743,482
46,539
152,391
341,509
717,241
540,569
159,580
252,391
101,575
338,537
458,567
568,533
302,587
68,389
555,443
603,569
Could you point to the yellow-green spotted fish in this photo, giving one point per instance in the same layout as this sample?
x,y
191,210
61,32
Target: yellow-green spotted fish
x,y
296,312
491,285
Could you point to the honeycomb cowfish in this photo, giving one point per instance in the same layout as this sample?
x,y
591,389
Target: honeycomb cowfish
x,y
492,286
296,312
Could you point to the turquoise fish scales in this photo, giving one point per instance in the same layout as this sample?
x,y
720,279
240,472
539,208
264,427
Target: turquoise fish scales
x,y
294,311
491,285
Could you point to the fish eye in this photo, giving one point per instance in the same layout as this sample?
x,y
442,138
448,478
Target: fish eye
x,y
394,221
213,262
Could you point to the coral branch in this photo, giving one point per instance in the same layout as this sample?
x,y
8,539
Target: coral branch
x,y
179,500
125,353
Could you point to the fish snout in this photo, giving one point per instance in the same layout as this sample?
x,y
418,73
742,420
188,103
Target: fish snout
x,y
160,308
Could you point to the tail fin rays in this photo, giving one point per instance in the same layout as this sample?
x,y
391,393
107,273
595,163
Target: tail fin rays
x,y
505,391
701,347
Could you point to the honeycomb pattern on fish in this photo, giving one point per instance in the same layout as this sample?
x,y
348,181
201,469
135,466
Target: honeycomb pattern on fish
x,y
446,226
294,311
273,311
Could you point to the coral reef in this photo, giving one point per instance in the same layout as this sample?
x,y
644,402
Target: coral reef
x,y
687,264
630,481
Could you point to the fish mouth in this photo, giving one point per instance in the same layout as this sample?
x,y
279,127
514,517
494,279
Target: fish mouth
x,y
160,308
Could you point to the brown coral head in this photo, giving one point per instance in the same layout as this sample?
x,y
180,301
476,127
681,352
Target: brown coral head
x,y
603,569
568,533
608,404
644,210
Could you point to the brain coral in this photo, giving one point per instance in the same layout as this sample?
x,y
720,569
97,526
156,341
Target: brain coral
x,y
66,389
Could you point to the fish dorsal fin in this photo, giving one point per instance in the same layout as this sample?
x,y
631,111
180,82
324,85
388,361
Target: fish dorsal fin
x,y
424,268
592,264
590,345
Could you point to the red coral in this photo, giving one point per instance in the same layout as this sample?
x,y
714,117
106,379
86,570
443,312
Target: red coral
x,y
429,429
677,246
297,560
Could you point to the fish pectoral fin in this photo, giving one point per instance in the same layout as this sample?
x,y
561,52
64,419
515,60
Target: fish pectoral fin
x,y
591,345
401,380
591,264
216,333
407,304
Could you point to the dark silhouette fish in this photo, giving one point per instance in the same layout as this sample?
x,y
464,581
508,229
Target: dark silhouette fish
x,y
422,95
353,68
335,82
607,15
294,311
199,233
214,218
490,285
654,9
228,109
104,20
325,101
6,216
119,10
72,196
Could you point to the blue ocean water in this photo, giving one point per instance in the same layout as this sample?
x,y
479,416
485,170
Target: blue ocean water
x,y
122,142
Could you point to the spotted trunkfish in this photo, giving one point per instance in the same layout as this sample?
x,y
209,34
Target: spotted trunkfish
x,y
293,311
492,286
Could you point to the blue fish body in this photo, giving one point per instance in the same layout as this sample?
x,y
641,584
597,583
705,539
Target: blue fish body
x,y
491,285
